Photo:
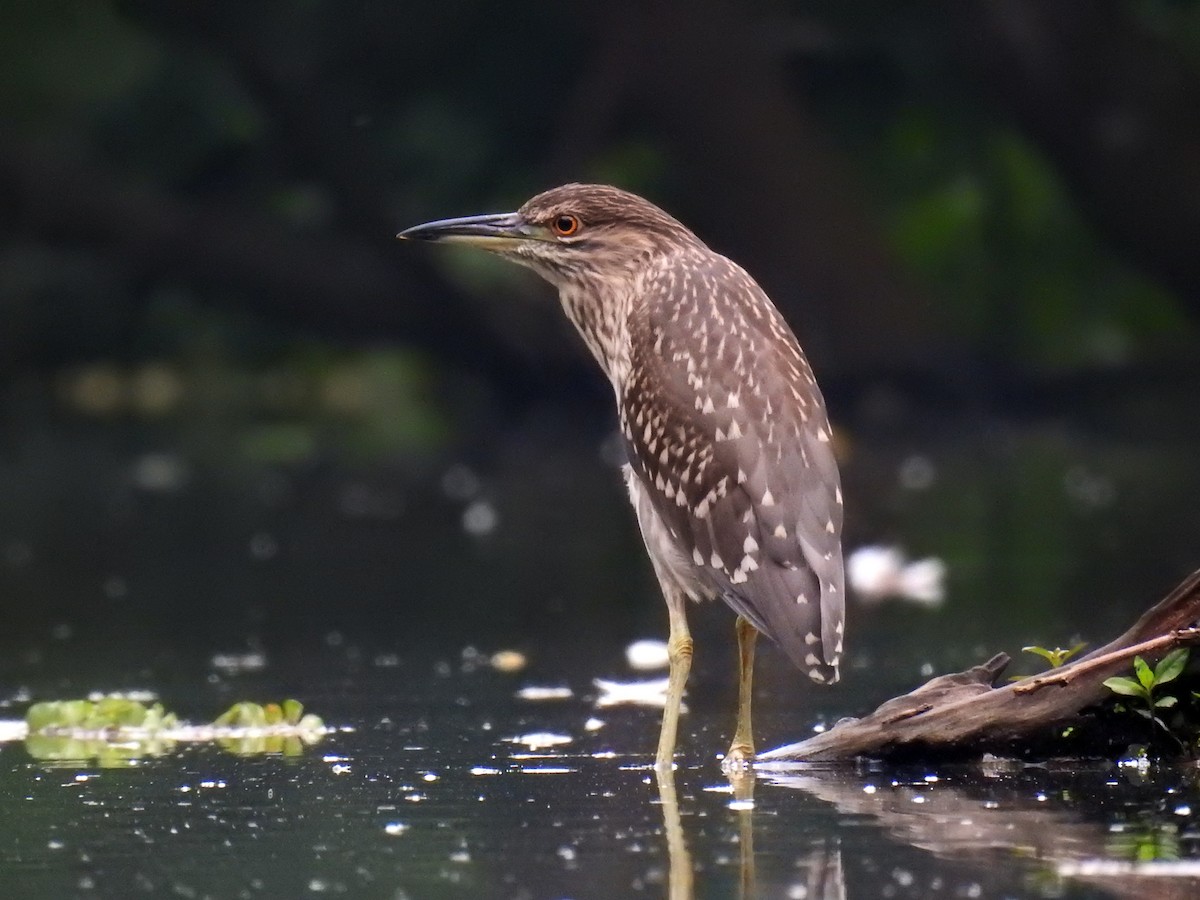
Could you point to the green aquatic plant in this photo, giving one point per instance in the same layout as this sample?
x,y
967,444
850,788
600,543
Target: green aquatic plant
x,y
263,715
254,729
1146,685
105,714
117,730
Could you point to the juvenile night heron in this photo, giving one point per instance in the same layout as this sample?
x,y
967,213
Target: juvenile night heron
x,y
731,469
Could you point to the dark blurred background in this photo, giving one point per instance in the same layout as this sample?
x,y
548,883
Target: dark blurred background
x,y
236,411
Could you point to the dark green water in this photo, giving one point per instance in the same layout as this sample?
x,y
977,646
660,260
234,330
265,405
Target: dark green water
x,y
375,590
430,796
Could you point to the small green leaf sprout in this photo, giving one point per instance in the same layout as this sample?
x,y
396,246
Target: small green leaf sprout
x,y
1057,656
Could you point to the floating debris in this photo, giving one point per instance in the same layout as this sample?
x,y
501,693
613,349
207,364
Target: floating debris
x,y
1112,868
647,654
533,692
634,693
547,770
540,740
236,663
877,572
12,730
508,661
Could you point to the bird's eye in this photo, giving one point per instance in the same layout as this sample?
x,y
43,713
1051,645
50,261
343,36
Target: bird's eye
x,y
565,226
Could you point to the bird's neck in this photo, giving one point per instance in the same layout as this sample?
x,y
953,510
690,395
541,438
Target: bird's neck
x,y
600,312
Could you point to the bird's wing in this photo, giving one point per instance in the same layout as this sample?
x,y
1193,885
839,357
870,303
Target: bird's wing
x,y
727,431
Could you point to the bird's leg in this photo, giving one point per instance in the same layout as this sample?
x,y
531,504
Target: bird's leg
x,y
741,751
679,653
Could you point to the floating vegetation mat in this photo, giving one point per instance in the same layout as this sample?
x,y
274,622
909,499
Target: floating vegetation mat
x,y
117,729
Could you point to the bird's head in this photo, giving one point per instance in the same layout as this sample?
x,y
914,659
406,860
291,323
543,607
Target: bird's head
x,y
569,234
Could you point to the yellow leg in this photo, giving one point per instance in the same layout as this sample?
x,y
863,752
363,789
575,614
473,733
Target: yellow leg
x,y
741,751
679,653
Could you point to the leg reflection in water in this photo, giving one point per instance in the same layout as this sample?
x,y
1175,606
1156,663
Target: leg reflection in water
x,y
825,878
742,782
681,870
680,885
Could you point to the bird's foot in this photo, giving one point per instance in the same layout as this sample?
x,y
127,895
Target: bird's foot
x,y
740,758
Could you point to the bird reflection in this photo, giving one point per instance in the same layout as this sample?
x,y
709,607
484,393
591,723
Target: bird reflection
x,y
823,865
680,883
1002,812
742,783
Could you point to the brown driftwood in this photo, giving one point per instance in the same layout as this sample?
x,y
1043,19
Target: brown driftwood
x,y
968,712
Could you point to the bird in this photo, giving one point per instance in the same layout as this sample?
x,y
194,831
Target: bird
x,y
730,460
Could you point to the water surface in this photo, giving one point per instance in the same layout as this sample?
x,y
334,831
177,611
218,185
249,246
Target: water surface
x,y
376,590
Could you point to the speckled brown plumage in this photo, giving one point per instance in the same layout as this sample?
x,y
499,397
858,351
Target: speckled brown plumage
x,y
727,432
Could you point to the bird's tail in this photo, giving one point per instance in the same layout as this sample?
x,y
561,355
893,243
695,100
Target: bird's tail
x,y
793,614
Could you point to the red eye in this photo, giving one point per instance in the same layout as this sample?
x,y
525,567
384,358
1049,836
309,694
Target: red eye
x,y
565,226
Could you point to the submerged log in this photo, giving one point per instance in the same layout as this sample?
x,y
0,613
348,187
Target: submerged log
x,y
967,712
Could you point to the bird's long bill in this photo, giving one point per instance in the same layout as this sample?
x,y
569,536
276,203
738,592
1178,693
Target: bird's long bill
x,y
492,232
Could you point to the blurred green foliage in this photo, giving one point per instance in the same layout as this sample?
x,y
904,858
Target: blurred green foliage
x,y
63,60
268,402
1013,264
162,95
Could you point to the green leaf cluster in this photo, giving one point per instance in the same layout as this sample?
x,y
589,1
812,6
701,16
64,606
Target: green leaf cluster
x,y
1147,682
117,731
264,715
107,713
304,728
1168,669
